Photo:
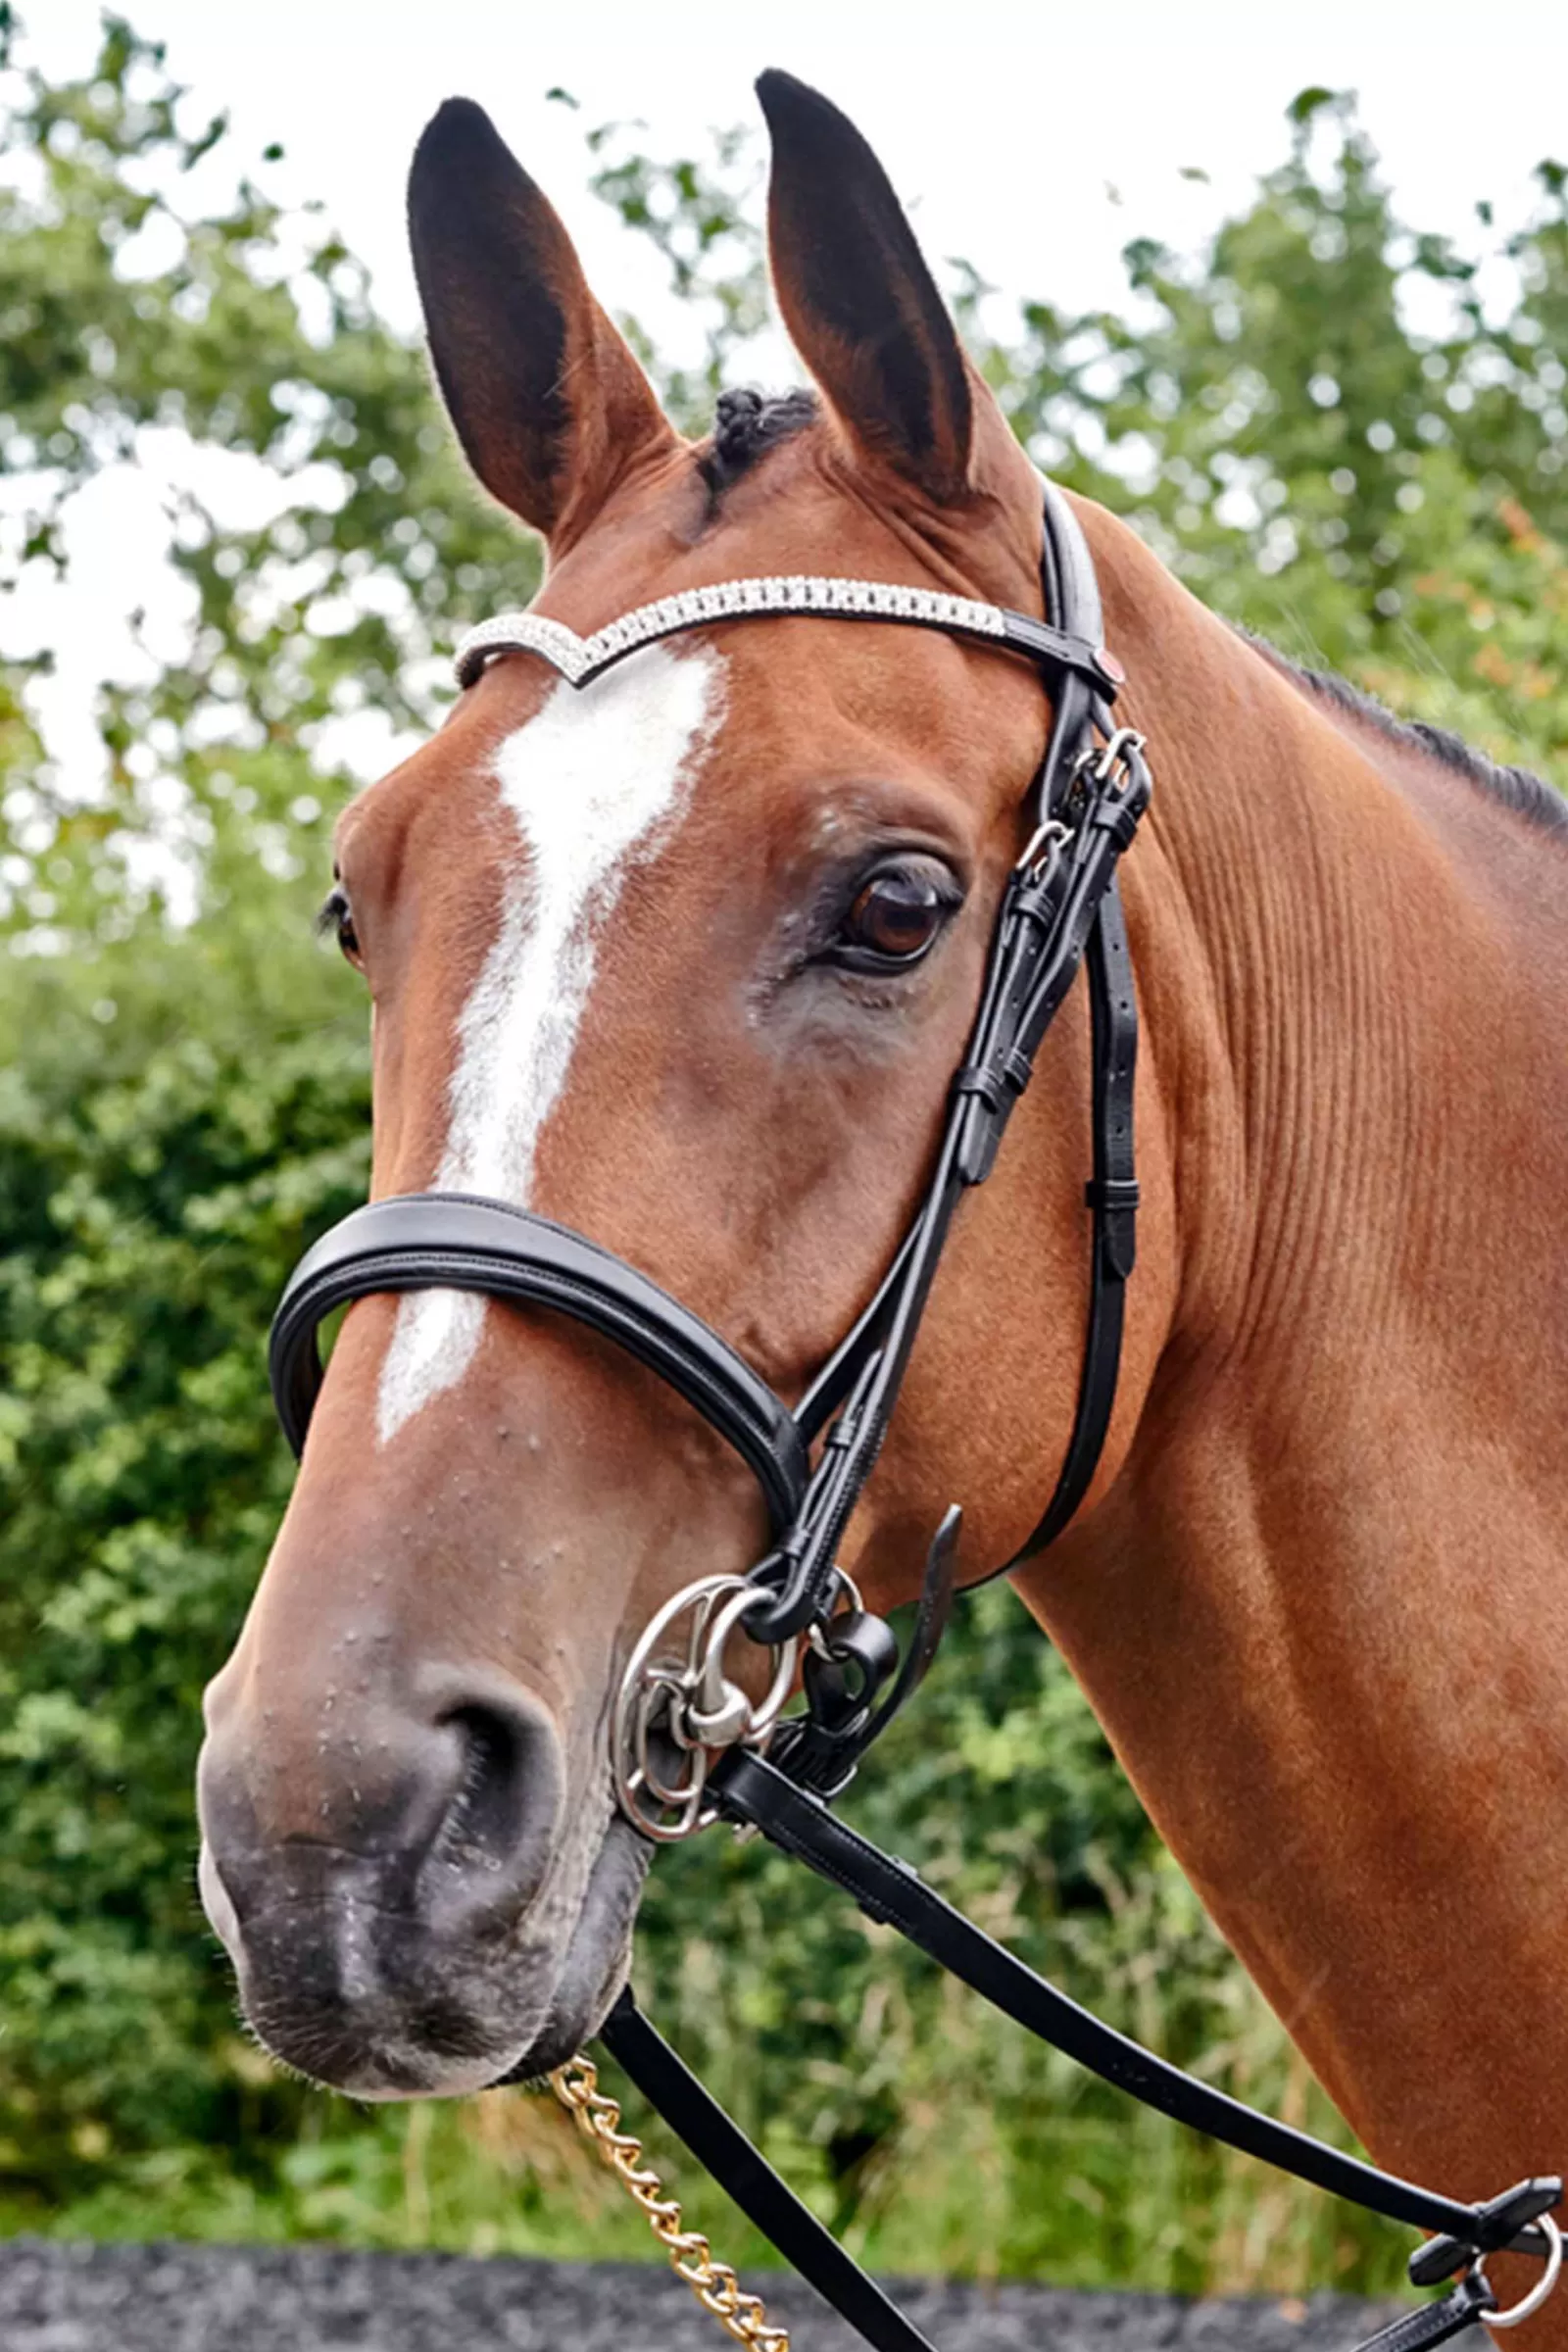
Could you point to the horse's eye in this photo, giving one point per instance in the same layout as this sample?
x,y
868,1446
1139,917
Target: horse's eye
x,y
338,916
894,918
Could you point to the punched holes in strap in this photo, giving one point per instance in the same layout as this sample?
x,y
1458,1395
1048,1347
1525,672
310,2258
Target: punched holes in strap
x,y
1112,1197
1112,1193
450,1241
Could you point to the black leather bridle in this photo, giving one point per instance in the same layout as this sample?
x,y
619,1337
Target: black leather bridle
x,y
1061,908
1060,901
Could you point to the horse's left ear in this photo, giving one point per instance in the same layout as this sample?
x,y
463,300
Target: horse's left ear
x,y
860,306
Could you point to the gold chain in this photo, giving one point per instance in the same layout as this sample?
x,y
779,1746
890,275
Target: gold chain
x,y
713,2283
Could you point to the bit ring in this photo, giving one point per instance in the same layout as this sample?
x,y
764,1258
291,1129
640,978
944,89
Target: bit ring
x,y
693,1700
1528,2305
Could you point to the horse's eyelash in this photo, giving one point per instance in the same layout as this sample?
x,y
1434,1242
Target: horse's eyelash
x,y
330,913
839,894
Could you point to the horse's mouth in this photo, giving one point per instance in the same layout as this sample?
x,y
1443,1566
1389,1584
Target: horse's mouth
x,y
370,2002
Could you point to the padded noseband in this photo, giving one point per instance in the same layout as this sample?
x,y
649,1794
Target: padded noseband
x,y
457,1241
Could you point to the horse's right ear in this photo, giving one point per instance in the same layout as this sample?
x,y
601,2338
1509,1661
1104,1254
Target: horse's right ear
x,y
548,403
862,308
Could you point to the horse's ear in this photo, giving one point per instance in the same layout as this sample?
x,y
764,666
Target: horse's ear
x,y
860,306
547,401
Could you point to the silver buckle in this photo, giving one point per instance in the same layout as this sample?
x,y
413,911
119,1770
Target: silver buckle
x,y
1115,752
1051,835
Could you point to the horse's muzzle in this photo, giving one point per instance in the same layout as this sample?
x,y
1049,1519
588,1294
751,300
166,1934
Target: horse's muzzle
x,y
382,1881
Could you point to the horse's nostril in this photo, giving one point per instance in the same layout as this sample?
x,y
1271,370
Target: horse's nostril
x,y
437,1818
499,1827
484,1809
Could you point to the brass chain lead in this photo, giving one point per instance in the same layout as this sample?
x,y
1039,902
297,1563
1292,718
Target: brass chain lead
x,y
713,2283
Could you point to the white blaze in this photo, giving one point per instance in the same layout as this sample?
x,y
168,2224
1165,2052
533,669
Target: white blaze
x,y
592,783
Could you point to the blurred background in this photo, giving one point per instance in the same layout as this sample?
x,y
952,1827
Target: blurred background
x,y
1309,342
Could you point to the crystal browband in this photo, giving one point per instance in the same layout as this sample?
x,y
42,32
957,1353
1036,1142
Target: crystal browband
x,y
581,659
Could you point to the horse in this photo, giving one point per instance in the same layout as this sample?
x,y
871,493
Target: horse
x,y
687,960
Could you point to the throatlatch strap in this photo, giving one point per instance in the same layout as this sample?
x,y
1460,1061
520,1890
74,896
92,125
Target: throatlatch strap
x,y
1112,1197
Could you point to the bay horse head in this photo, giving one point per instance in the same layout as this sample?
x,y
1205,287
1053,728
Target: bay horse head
x,y
684,958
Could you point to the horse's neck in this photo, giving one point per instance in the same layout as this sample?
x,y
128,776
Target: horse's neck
x,y
1322,1611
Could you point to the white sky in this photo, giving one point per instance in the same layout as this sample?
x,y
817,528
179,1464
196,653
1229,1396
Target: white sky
x,y
1000,124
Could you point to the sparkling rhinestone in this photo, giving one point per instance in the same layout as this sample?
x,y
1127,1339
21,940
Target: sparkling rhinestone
x,y
793,592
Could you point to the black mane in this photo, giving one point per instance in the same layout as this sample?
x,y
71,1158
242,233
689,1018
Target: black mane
x,y
747,424
1530,796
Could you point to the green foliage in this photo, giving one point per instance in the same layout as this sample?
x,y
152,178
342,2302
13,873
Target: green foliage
x,y
183,1100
